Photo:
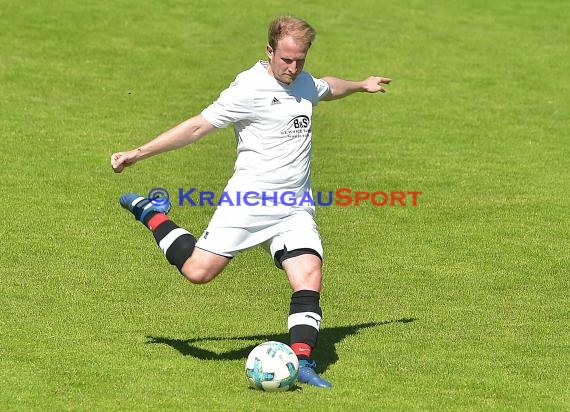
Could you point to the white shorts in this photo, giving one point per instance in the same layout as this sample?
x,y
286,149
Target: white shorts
x,y
233,229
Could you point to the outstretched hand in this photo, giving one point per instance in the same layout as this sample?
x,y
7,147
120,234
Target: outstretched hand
x,y
375,84
121,160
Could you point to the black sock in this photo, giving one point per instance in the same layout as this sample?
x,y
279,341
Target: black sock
x,y
304,322
176,243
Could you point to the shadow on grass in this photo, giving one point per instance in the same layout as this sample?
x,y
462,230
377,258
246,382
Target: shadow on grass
x,y
325,353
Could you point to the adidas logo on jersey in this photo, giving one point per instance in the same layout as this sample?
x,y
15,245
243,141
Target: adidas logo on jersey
x,y
275,101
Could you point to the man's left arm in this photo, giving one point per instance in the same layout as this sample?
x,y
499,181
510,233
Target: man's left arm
x,y
340,88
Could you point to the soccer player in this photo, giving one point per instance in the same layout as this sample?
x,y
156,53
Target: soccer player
x,y
270,107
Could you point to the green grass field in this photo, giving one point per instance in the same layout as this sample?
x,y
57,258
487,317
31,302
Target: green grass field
x,y
460,303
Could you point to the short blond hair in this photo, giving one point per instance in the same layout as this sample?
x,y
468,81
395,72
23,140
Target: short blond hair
x,y
292,26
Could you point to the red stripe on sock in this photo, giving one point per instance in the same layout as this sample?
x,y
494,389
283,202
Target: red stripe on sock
x,y
156,221
301,349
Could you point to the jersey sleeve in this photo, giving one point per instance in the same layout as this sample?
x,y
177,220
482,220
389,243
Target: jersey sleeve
x,y
322,88
233,105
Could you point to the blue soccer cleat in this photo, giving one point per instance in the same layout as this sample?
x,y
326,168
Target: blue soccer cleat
x,y
308,375
141,206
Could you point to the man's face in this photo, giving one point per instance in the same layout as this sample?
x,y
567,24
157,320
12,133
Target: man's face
x,y
287,60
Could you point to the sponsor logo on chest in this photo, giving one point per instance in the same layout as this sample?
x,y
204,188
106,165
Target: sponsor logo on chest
x,y
299,124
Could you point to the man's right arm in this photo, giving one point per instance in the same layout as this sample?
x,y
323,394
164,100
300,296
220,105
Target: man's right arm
x,y
179,136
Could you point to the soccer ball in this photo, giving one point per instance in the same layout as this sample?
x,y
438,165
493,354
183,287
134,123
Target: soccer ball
x,y
272,366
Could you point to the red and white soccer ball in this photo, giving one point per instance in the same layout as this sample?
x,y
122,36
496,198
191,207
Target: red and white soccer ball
x,y
272,366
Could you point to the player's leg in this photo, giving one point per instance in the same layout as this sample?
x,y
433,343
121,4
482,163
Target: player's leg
x,y
298,250
305,275
305,314
177,244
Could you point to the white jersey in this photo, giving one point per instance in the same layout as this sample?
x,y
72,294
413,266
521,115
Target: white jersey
x,y
272,123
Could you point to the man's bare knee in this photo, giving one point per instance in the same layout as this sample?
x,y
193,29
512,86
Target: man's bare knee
x,y
304,272
197,276
203,266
